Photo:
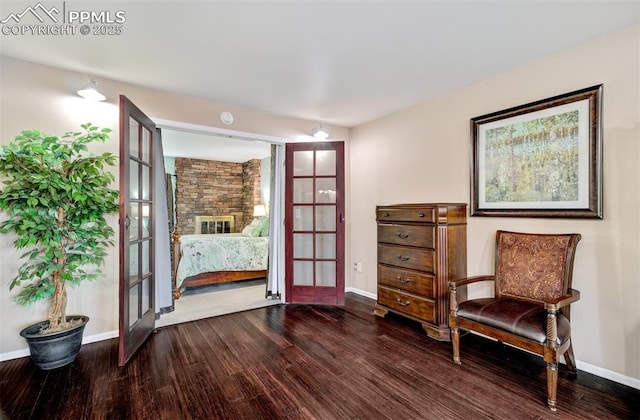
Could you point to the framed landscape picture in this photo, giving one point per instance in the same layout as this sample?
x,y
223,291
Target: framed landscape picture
x,y
542,159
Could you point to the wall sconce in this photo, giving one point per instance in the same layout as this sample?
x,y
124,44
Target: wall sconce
x,y
259,210
91,92
320,132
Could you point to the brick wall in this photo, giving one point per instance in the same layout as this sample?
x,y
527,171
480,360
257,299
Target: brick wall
x,y
250,188
212,188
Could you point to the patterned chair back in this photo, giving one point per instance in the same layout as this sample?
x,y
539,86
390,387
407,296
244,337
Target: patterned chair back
x,y
534,267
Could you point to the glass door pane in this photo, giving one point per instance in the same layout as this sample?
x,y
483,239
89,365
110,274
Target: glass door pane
x,y
134,138
325,162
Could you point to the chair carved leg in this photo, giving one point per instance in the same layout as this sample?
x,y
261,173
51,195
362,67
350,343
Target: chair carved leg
x,y
455,333
570,360
455,341
552,385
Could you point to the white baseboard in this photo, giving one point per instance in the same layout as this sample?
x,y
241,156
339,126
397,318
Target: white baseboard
x,y
100,337
16,354
361,292
609,374
595,370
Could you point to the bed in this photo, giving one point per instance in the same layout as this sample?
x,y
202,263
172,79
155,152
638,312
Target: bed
x,y
210,258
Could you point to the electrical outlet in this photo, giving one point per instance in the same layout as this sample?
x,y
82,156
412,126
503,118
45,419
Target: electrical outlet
x,y
357,267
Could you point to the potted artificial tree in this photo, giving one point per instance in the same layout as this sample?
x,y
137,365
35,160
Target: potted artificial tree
x,y
56,195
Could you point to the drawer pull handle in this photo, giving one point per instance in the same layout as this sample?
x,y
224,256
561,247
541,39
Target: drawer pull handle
x,y
402,235
402,303
385,214
420,214
404,258
403,281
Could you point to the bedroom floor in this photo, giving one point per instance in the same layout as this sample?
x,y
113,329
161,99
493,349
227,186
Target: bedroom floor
x,y
219,299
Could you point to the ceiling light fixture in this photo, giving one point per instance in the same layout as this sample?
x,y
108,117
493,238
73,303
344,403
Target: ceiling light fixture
x,y
91,92
320,132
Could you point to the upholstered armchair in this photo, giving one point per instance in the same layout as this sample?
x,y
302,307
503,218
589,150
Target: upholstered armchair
x,y
530,308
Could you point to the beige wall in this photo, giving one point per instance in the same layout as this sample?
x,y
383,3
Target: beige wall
x,y
422,154
35,96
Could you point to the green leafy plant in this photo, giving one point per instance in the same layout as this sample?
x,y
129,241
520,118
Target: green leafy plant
x,y
57,194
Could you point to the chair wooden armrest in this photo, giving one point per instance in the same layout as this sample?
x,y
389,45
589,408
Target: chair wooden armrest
x,y
454,299
469,280
554,305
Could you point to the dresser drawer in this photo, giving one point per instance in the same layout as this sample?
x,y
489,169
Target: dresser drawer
x,y
409,214
407,303
408,280
406,257
410,235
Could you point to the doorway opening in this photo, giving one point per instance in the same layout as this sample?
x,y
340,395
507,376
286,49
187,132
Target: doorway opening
x,y
207,153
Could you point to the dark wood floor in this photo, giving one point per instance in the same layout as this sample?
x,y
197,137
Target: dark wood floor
x,y
299,362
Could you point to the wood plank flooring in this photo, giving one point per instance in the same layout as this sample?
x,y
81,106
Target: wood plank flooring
x,y
299,362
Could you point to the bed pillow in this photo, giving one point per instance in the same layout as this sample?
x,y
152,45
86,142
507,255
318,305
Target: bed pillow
x,y
264,226
253,229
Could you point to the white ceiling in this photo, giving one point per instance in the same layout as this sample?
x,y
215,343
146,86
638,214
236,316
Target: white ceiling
x,y
340,62
199,146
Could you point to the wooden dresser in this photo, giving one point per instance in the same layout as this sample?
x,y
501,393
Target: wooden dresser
x,y
420,248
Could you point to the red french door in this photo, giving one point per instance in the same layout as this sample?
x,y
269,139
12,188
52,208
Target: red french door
x,y
137,279
314,223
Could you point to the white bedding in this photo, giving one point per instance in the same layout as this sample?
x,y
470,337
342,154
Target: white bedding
x,y
221,252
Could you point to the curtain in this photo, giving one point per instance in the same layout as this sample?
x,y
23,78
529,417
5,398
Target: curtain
x,y
163,282
171,209
276,220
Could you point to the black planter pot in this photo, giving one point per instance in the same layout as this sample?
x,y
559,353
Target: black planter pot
x,y
50,351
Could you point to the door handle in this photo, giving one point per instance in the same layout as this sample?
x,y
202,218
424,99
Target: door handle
x,y
127,222
341,218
